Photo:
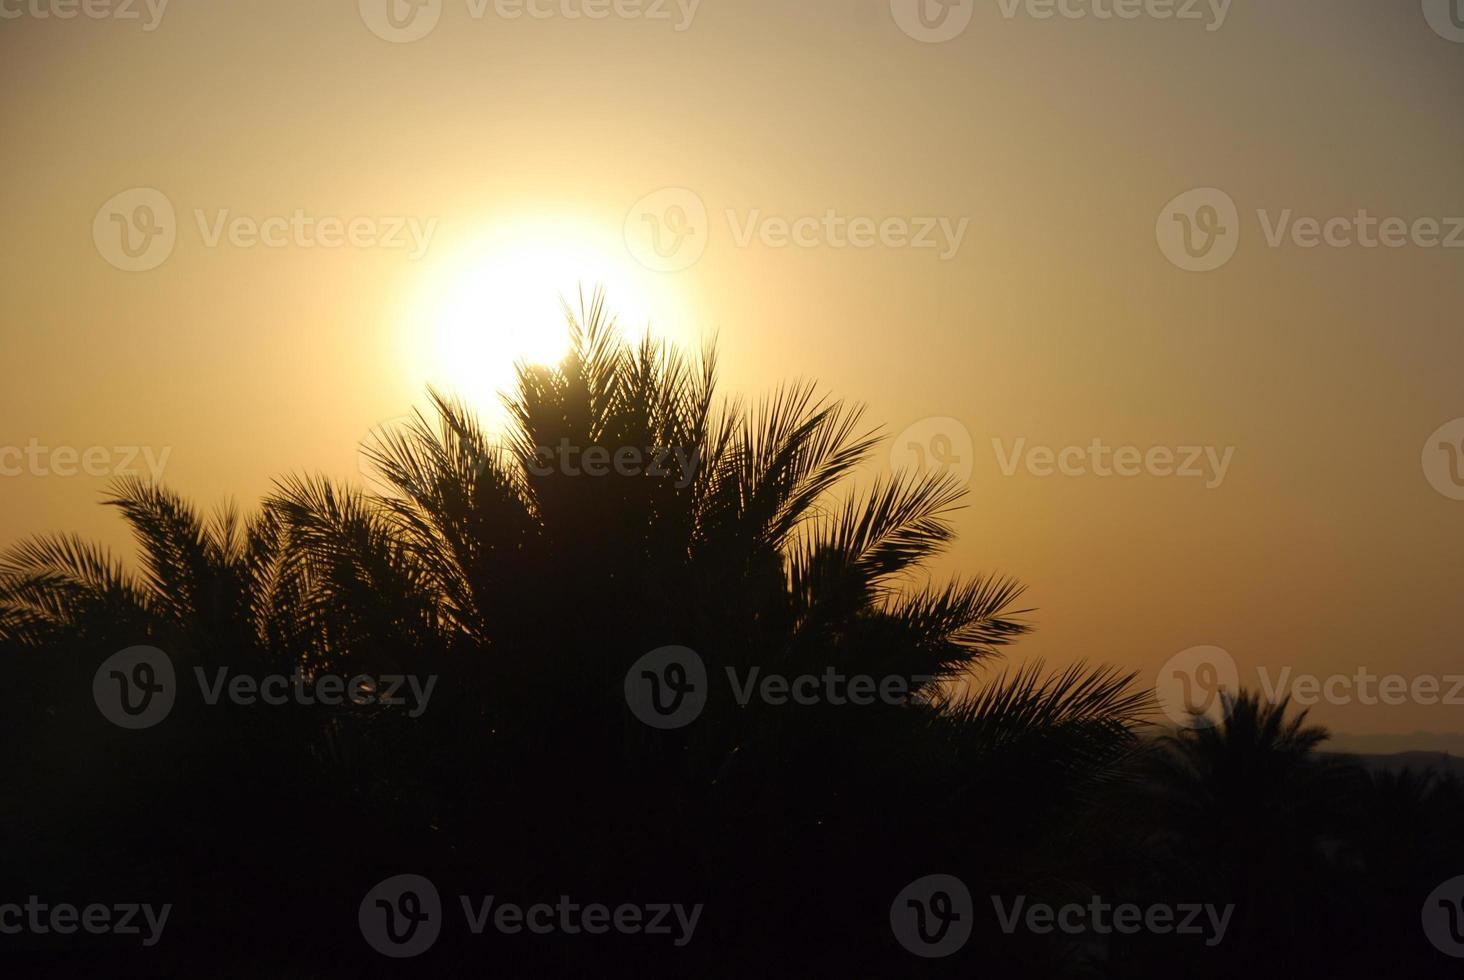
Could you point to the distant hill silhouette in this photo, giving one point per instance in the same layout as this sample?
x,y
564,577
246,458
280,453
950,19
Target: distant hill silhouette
x,y
1450,743
1441,762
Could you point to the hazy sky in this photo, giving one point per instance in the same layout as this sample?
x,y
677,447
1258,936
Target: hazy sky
x,y
1037,155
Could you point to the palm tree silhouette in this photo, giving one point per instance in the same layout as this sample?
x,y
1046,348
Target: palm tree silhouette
x,y
1249,812
529,587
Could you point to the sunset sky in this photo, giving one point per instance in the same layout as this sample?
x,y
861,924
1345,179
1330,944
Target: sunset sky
x,y
478,171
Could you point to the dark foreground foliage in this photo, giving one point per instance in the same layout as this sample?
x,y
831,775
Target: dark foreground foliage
x,y
528,592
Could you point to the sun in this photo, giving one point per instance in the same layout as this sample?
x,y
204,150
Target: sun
x,y
498,299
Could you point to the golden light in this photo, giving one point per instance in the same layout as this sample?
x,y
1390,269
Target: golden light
x,y
496,300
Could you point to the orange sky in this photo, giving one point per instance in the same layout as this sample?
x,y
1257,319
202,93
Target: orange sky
x,y
1036,155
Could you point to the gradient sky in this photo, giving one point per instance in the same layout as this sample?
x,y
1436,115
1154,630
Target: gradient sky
x,y
1058,320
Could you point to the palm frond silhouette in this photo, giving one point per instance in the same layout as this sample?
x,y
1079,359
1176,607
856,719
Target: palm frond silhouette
x,y
528,582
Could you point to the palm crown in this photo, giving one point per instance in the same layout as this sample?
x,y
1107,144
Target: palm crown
x,y
530,586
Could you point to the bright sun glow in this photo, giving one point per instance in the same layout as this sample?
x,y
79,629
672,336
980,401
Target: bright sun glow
x,y
496,300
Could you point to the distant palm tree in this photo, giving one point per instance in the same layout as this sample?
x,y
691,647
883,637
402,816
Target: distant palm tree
x,y
1249,812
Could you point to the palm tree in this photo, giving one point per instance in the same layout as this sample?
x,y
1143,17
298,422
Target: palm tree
x,y
1249,812
529,588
